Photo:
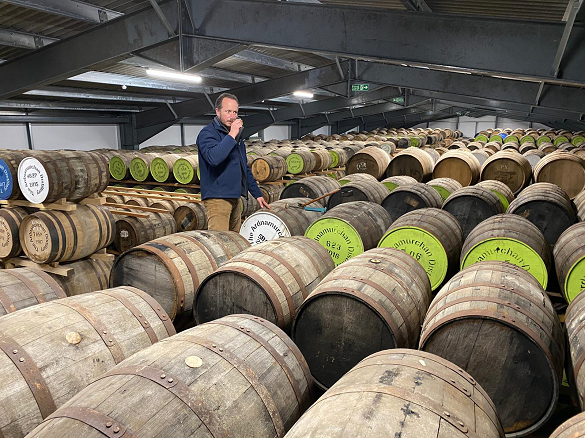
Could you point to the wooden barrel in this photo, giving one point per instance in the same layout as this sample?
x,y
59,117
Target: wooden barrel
x,y
373,302
572,428
171,268
134,231
300,161
472,205
547,147
505,332
136,201
272,192
237,376
350,229
10,221
373,191
269,168
509,167
445,186
190,216
500,189
9,162
169,205
59,236
461,166
119,165
371,160
433,153
411,197
569,257
575,315
285,218
388,147
395,181
323,159
412,162
25,287
509,238
140,166
161,166
357,177
312,187
53,350
340,157
88,275
185,169
564,169
547,207
482,155
73,175
249,204
269,280
430,235
444,401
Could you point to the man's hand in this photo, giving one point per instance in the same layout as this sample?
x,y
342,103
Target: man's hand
x,y
235,128
262,202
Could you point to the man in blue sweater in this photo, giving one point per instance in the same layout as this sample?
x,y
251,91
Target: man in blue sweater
x,y
225,175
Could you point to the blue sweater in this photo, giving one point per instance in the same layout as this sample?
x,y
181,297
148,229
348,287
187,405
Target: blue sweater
x,y
222,165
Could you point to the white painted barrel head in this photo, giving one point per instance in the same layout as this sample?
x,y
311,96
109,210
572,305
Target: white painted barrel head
x,y
263,226
33,180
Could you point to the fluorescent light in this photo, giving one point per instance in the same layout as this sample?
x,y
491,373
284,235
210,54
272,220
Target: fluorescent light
x,y
304,94
181,77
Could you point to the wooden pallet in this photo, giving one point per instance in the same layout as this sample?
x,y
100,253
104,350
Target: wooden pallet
x,y
54,268
60,205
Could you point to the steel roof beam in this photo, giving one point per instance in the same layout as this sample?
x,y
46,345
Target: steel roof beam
x,y
416,5
24,40
69,8
356,32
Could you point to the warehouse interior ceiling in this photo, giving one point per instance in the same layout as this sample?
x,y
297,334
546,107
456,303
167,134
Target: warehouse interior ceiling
x,y
423,60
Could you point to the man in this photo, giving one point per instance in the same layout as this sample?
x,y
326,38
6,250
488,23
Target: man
x,y
225,175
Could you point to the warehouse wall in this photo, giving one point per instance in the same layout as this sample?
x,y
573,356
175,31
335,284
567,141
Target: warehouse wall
x,y
277,133
13,136
470,126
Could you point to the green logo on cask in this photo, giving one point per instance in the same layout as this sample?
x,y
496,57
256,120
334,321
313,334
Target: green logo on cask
x,y
117,168
183,171
138,169
295,164
338,237
442,191
159,170
335,161
424,247
511,251
575,281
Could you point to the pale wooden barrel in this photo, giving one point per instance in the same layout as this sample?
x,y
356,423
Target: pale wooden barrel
x,y
509,167
396,181
375,301
300,161
498,324
564,169
172,267
323,159
269,168
378,398
10,221
461,166
572,428
58,348
58,236
185,169
412,162
269,280
89,275
25,287
236,376
357,177
48,176
371,160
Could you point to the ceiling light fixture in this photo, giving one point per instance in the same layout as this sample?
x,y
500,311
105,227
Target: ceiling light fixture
x,y
181,77
304,94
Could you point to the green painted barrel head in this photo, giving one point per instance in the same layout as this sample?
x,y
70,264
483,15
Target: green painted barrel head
x,y
159,170
198,173
290,181
295,164
139,187
424,247
503,200
511,138
497,138
183,171
543,139
117,168
414,141
577,140
575,280
481,137
335,156
158,189
442,191
508,250
389,185
338,237
138,169
560,139
181,191
527,139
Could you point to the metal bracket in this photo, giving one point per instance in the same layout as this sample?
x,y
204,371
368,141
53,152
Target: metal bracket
x,y
209,100
302,109
172,110
339,67
162,17
102,15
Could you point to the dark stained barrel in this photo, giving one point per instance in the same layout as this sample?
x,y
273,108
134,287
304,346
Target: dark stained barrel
x,y
411,197
395,181
375,301
312,187
133,231
499,325
269,280
190,216
10,220
402,394
445,186
371,191
500,189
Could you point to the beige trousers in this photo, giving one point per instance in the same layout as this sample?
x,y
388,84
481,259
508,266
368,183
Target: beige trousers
x,y
224,214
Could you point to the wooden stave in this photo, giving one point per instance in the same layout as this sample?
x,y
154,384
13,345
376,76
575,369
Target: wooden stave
x,y
263,265
314,187
368,385
89,275
198,215
567,251
55,358
372,192
65,240
10,222
276,165
382,269
154,226
427,194
186,262
424,164
381,159
470,162
550,160
571,428
520,160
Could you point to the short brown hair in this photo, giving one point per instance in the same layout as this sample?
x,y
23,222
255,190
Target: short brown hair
x,y
222,96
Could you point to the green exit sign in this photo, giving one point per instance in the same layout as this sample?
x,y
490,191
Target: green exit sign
x,y
360,87
398,100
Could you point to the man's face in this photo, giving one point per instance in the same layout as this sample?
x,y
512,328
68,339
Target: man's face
x,y
228,111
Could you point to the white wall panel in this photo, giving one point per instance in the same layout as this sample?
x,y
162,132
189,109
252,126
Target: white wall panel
x,y
13,136
169,137
77,137
277,132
